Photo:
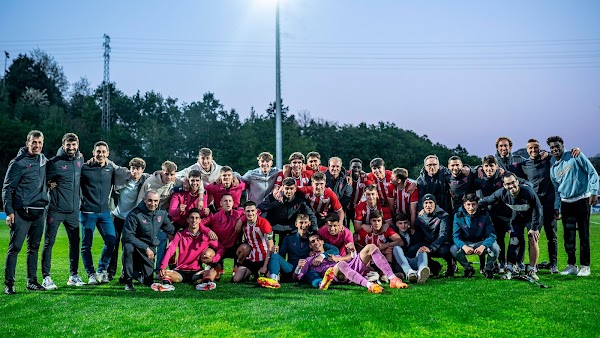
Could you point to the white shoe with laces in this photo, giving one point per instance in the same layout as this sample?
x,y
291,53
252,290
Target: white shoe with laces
x,y
75,280
48,283
584,271
570,270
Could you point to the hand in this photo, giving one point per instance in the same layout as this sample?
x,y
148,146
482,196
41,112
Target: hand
x,y
236,181
334,258
480,249
350,247
278,196
543,155
500,171
301,263
422,212
556,214
411,188
275,249
593,200
263,270
467,250
349,179
424,249
213,236
206,211
182,208
162,272
52,185
367,228
381,247
480,173
186,184
317,261
466,170
575,152
534,234
10,220
149,253
238,226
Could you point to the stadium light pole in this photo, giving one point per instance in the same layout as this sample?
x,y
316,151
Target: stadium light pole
x,y
278,131
6,57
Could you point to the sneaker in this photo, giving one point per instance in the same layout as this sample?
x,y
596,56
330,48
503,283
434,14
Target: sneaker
x,y
501,266
129,286
423,274
584,271
75,280
553,269
35,286
531,273
412,276
469,271
48,283
102,277
451,270
162,287
268,283
375,288
111,277
397,283
384,279
9,289
521,267
507,275
570,270
488,274
92,279
327,279
372,276
206,286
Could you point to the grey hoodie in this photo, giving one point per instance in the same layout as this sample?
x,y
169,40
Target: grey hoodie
x,y
208,177
259,184
25,182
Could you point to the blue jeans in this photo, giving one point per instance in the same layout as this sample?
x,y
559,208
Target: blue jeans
x,y
161,249
106,227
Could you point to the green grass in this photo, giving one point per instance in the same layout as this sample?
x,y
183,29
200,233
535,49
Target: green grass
x,y
442,307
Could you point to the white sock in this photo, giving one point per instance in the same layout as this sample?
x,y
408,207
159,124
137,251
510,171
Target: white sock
x,y
369,284
273,276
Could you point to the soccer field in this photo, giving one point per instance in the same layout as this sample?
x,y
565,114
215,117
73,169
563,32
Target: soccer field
x,y
442,307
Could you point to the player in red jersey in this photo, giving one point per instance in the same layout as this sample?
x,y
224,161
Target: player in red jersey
x,y
384,239
259,235
365,209
321,199
381,178
403,195
357,178
296,171
313,162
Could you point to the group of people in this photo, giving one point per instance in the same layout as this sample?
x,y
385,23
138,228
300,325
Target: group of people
x,y
294,224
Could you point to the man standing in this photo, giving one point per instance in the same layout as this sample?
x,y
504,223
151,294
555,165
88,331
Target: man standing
x,y
335,178
358,181
380,178
576,184
432,180
260,181
139,239
64,170
25,198
506,159
209,169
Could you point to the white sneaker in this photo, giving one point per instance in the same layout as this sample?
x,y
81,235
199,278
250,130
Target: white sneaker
x,y
412,276
570,270
75,280
48,283
92,279
206,286
104,278
422,275
584,271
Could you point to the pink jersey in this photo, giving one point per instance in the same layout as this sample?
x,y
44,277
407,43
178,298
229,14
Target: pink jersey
x,y
256,237
216,191
402,198
224,226
301,181
321,204
381,185
191,201
339,241
190,249
365,238
363,212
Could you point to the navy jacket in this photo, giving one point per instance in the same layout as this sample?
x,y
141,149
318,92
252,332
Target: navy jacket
x,y
340,187
25,182
432,230
472,229
142,226
65,171
526,206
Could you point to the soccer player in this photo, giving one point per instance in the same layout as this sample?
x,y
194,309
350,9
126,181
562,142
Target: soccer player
x,y
313,162
365,209
576,183
260,181
64,170
209,169
358,180
190,245
473,233
337,235
432,180
403,195
380,177
321,199
124,199
527,215
226,186
140,239
184,201
384,239
414,268
301,177
259,235
25,198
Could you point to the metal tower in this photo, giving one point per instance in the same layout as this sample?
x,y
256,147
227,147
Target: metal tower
x,y
105,86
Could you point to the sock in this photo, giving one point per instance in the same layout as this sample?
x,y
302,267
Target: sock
x,y
316,282
273,276
382,263
352,275
369,284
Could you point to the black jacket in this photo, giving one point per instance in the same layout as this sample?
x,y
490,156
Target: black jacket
x,y
285,213
512,163
25,182
340,187
96,187
526,205
142,226
437,186
432,230
65,171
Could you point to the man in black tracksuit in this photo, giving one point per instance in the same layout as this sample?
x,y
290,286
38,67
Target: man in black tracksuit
x,y
433,180
25,199
282,213
335,179
64,170
506,160
139,239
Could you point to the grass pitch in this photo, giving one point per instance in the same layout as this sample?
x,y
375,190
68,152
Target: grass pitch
x,y
442,307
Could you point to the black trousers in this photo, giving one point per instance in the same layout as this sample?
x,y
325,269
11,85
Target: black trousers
x,y
71,222
112,266
137,265
576,217
551,229
21,230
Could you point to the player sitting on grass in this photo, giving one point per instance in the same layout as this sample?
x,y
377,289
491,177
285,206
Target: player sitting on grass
x,y
414,268
474,234
336,234
191,244
259,236
296,247
384,239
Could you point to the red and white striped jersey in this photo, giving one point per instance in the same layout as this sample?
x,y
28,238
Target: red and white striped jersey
x,y
358,189
382,185
256,237
301,181
363,212
402,199
365,238
321,204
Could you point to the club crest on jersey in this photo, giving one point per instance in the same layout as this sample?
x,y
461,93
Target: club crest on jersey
x,y
159,218
144,221
515,164
63,167
79,164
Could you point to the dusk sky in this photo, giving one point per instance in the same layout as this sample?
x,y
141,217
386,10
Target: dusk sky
x,y
461,72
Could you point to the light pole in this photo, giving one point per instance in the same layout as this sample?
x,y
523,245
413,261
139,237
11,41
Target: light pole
x,y
278,131
6,57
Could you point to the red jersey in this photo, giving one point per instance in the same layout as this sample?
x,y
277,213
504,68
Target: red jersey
x,y
358,189
365,238
256,237
363,212
402,198
301,181
216,191
381,185
224,226
321,204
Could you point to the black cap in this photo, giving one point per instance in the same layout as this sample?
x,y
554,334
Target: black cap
x,y
429,197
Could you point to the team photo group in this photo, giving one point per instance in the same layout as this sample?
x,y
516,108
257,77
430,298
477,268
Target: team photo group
x,y
315,221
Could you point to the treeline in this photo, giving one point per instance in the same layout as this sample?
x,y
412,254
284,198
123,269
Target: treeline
x,y
37,96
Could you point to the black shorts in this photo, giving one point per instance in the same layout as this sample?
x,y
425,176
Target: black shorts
x,y
253,267
230,253
187,275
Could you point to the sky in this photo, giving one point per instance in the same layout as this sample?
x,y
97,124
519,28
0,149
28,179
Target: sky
x,y
460,72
